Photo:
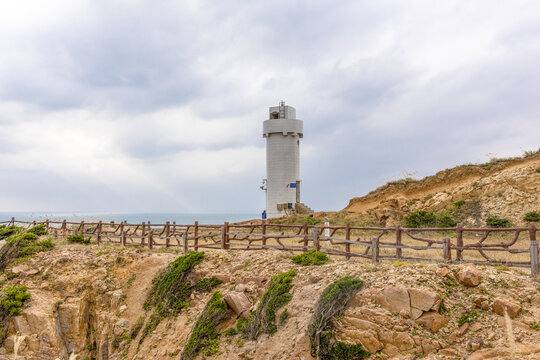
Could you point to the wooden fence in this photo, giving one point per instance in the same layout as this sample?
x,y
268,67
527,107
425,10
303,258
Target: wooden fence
x,y
518,246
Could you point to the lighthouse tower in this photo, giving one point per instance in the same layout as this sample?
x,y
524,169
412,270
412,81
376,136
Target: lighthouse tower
x,y
282,184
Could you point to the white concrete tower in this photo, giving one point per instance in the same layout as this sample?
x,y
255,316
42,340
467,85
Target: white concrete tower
x,y
283,133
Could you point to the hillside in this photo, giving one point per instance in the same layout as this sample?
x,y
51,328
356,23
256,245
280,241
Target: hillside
x,y
507,188
92,302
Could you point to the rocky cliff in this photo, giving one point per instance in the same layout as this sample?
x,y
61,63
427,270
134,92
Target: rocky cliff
x,y
507,188
88,302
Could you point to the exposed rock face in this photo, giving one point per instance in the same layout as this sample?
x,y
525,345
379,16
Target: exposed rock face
x,y
470,276
409,302
500,305
82,306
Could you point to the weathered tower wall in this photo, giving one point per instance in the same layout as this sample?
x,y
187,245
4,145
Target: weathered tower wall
x,y
283,133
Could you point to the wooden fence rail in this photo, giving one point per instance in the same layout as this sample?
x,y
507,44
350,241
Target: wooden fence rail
x,y
449,245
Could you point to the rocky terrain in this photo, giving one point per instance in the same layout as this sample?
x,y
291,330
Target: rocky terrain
x,y
506,188
87,302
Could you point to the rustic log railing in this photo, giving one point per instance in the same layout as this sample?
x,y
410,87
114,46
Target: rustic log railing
x,y
449,245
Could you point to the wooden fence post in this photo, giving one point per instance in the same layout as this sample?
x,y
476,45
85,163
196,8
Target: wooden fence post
x,y
316,238
98,232
167,232
196,235
82,228
398,242
47,224
374,250
64,228
459,242
534,251
348,238
264,232
447,256
150,238
12,221
224,236
185,242
143,234
306,232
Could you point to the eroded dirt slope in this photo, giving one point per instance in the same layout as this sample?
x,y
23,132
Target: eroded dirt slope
x,y
504,188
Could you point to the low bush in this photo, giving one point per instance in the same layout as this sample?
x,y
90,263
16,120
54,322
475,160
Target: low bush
x,y
497,222
330,304
20,246
6,231
532,216
171,290
311,220
78,239
459,203
263,320
422,218
204,336
12,299
446,221
312,257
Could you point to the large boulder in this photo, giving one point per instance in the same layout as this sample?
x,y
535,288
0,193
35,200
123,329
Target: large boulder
x,y
500,305
238,301
469,275
431,320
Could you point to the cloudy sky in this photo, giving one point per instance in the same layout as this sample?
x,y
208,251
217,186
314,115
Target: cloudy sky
x,y
157,106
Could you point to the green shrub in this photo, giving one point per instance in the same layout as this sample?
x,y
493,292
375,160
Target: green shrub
x,y
263,319
311,220
535,325
446,221
422,218
532,216
312,257
496,222
6,231
78,238
39,230
331,303
459,203
230,332
12,299
538,170
20,246
171,290
204,336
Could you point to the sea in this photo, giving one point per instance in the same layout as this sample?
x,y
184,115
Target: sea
x,y
132,218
